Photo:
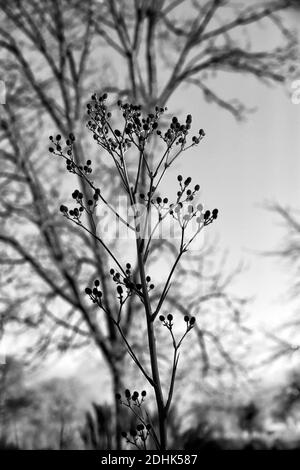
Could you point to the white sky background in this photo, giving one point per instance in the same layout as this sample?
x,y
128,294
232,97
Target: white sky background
x,y
240,167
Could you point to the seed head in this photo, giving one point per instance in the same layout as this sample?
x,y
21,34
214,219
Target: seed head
x,y
215,213
207,215
120,290
63,209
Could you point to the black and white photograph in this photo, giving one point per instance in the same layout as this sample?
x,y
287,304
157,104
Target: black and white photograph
x,y
149,228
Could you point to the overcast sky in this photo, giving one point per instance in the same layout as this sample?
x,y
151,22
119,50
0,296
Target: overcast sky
x,y
242,166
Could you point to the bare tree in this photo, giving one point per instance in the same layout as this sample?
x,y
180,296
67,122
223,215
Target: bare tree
x,y
51,55
189,40
284,338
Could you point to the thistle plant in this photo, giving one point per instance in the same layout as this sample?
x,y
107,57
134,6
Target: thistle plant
x,y
141,185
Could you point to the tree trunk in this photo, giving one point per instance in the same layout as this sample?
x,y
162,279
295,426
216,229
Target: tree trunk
x,y
117,387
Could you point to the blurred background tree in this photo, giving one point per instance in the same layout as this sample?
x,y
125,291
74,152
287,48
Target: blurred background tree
x,y
53,414
46,414
284,338
14,399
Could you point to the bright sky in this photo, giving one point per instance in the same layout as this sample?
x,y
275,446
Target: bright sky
x,y
241,166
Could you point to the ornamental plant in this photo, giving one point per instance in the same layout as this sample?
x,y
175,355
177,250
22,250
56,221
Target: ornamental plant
x,y
140,184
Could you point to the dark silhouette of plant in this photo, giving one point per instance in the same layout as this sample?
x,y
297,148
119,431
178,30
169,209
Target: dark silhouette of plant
x,y
200,438
4,445
135,134
248,416
287,400
98,431
15,400
46,414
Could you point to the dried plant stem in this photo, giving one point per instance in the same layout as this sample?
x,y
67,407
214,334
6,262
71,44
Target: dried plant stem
x,y
152,351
